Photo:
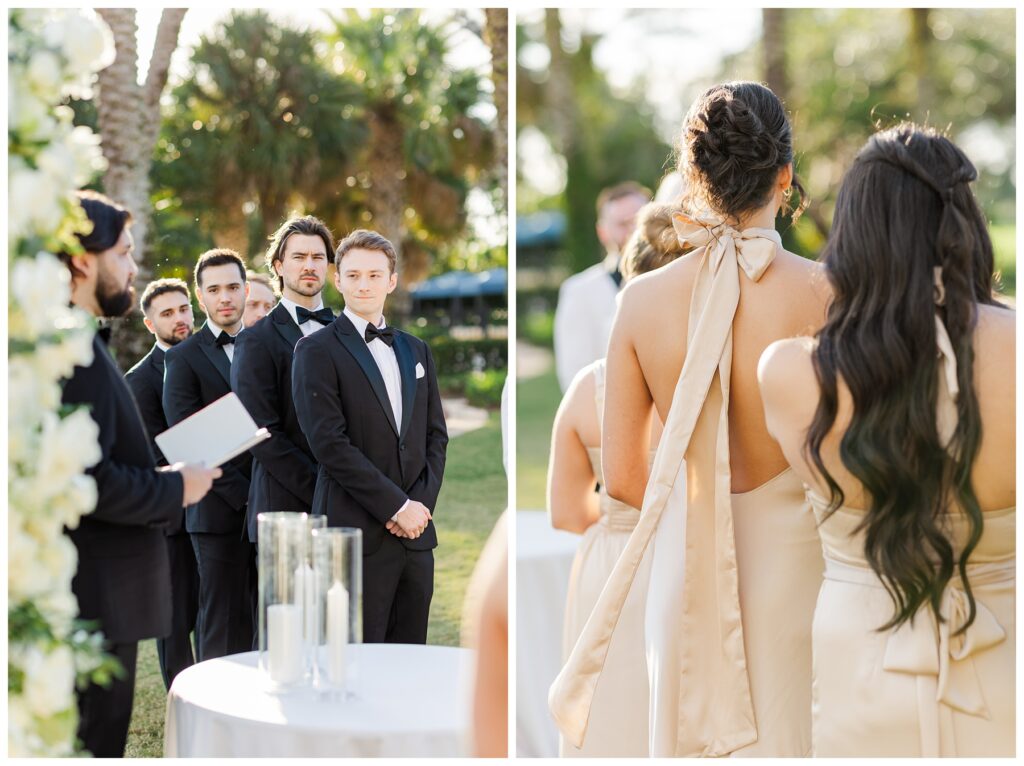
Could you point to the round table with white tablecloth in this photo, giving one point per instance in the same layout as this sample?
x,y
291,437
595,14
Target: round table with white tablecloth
x,y
543,563
410,700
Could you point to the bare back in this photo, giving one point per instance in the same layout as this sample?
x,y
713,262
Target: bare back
x,y
789,300
791,397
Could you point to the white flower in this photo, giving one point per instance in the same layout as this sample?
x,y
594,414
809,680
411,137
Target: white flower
x,y
60,559
49,680
77,499
42,286
27,396
24,581
19,725
87,154
35,201
85,40
68,446
44,73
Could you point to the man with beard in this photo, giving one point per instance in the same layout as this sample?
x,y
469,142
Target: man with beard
x,y
123,574
167,313
284,469
197,373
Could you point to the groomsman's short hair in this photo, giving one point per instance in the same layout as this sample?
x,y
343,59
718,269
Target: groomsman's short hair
x,y
624,189
218,257
160,287
364,239
262,279
306,224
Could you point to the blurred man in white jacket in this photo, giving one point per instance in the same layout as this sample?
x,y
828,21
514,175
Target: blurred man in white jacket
x,y
586,301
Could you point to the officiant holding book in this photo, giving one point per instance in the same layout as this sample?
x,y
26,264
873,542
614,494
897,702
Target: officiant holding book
x,y
367,400
283,467
197,373
123,577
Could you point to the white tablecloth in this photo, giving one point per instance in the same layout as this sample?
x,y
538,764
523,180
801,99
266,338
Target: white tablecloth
x,y
225,708
543,562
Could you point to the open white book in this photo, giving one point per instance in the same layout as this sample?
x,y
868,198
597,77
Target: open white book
x,y
213,435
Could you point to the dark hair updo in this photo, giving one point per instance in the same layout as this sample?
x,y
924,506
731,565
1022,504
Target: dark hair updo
x,y
734,141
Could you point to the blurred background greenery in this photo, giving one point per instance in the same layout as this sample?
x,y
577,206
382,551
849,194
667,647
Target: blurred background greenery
x,y
393,120
601,96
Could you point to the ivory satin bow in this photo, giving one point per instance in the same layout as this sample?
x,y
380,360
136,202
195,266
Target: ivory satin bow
x,y
916,649
728,724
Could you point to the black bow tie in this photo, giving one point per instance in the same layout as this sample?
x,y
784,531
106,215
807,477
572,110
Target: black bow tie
x,y
103,333
386,334
224,339
323,316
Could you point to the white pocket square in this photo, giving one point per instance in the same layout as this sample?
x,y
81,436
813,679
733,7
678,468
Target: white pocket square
x,y
420,372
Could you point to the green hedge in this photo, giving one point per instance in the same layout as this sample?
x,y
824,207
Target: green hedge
x,y
458,357
539,328
483,389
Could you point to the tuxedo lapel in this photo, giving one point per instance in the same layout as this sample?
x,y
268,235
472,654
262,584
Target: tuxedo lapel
x,y
215,353
356,346
156,359
285,325
407,368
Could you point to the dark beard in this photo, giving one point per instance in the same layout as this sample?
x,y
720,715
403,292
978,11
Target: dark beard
x,y
171,340
114,300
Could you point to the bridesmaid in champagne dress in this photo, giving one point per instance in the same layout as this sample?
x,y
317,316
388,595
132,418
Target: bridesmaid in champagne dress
x,y
619,716
899,418
727,532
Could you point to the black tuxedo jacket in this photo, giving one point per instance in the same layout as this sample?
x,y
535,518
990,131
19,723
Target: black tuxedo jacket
x,y
283,468
197,373
369,465
123,573
146,380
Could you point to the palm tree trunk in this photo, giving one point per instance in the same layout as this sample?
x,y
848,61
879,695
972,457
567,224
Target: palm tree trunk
x,y
920,57
560,97
496,35
773,42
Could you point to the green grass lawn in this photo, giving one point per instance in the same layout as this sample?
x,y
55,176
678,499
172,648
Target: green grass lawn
x,y
537,401
473,496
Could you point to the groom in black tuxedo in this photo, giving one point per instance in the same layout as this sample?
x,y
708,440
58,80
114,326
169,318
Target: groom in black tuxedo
x,y
283,467
167,313
197,373
367,399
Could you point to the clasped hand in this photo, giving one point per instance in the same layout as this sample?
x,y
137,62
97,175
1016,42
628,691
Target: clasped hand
x,y
411,522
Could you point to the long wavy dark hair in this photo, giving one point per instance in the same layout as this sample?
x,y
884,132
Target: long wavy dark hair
x,y
904,209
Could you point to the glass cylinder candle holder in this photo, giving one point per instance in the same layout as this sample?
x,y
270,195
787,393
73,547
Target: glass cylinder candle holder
x,y
283,544
312,600
338,562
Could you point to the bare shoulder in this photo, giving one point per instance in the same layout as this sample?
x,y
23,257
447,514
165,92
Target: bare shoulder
x,y
995,341
786,367
577,410
646,294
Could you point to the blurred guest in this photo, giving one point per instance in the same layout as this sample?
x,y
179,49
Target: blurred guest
x,y
284,469
123,575
261,298
485,630
197,373
586,301
619,725
167,313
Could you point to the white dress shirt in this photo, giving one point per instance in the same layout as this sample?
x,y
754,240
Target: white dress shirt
x,y
308,327
387,363
229,349
583,319
161,345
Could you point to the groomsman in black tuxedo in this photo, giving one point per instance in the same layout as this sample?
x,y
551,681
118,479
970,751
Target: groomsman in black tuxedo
x,y
367,399
283,469
197,373
167,313
123,575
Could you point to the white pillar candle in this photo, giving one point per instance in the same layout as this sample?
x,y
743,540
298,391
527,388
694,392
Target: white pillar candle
x,y
284,642
337,633
305,597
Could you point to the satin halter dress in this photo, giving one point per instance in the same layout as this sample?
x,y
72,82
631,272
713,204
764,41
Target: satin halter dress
x,y
918,690
619,716
733,577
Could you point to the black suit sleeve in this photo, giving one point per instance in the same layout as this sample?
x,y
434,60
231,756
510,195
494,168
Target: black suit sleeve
x,y
183,397
147,397
134,495
428,483
316,391
253,379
